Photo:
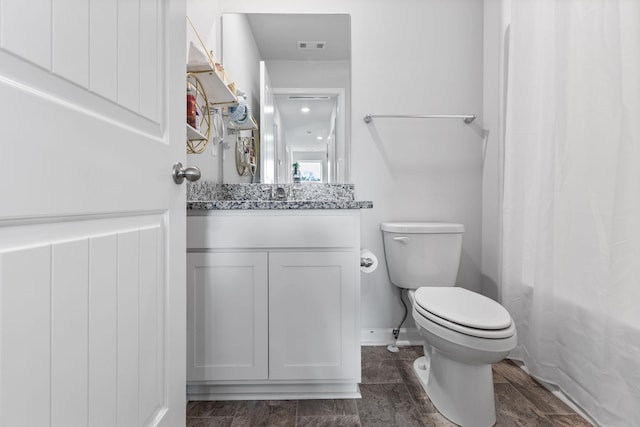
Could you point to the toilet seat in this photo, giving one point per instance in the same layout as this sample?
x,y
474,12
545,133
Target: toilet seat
x,y
464,311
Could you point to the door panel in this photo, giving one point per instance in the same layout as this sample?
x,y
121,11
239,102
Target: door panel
x,y
92,251
128,54
25,312
27,41
103,38
70,47
69,331
318,290
103,318
227,335
105,335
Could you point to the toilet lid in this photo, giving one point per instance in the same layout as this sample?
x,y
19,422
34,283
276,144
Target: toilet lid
x,y
463,307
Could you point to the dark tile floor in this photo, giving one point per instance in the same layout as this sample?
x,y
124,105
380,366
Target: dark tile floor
x,y
391,396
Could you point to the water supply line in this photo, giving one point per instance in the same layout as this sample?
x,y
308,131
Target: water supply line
x,y
393,348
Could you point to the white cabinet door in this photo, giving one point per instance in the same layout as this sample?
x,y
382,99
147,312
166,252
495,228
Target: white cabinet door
x,y
227,330
92,265
313,315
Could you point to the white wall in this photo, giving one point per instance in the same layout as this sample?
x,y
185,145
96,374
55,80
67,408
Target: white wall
x,y
420,57
241,60
207,25
428,60
493,84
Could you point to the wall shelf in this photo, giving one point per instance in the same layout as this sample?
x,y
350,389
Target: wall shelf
x,y
194,135
202,63
198,139
250,124
217,91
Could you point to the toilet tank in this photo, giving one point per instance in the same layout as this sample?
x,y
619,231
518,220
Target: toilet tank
x,y
422,253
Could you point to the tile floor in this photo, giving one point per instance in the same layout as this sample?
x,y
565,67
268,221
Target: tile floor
x,y
391,396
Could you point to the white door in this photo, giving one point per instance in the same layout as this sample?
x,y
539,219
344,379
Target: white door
x,y
92,227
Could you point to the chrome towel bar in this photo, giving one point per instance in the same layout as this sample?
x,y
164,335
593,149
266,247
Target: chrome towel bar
x,y
468,118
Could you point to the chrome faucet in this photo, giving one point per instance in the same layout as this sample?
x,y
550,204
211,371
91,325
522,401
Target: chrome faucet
x,y
278,193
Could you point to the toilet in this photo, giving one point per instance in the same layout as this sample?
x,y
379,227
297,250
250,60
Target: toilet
x,y
464,332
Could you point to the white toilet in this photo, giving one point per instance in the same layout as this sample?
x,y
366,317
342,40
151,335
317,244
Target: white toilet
x,y
464,332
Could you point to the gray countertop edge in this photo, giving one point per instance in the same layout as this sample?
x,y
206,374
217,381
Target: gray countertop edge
x,y
273,204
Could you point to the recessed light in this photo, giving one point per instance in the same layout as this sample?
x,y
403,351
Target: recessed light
x,y
305,109
319,138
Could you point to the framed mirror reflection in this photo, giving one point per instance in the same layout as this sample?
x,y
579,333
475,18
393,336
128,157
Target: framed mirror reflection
x,y
295,71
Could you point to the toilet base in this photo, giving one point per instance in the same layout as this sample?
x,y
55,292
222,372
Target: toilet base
x,y
462,393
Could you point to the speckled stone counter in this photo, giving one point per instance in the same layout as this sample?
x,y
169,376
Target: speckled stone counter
x,y
203,196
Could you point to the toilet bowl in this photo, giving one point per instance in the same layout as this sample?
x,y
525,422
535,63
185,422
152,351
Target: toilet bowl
x,y
464,332
456,372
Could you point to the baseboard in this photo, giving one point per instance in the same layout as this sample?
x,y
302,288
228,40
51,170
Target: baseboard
x,y
408,336
273,391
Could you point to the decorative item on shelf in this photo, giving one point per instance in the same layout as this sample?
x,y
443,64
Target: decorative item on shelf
x,y
246,155
198,116
239,114
250,124
191,107
296,172
240,117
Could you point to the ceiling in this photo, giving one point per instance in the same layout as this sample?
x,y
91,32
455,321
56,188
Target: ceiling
x,y
277,35
302,129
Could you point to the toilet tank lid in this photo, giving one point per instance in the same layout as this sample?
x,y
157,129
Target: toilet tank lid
x,y
422,227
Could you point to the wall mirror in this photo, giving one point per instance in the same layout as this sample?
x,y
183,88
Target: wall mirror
x,y
295,70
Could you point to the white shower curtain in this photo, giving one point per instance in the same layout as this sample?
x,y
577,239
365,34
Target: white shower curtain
x,y
571,205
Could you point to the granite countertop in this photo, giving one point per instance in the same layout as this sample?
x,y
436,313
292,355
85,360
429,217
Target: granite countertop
x,y
205,196
279,204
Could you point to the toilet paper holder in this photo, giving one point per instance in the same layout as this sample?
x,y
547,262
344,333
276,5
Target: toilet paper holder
x,y
366,262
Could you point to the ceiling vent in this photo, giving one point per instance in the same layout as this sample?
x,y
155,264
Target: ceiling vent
x,y
311,45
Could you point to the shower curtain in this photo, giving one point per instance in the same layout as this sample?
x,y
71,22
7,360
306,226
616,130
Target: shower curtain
x,y
571,204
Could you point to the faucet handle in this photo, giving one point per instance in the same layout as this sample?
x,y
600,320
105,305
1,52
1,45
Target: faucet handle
x,y
278,193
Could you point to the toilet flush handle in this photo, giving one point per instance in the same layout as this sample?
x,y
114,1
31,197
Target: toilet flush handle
x,y
402,239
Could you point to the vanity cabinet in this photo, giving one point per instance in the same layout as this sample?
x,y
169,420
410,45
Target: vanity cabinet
x,y
273,304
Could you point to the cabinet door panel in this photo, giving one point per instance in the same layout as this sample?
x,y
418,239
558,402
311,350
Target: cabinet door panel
x,y
313,315
227,324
